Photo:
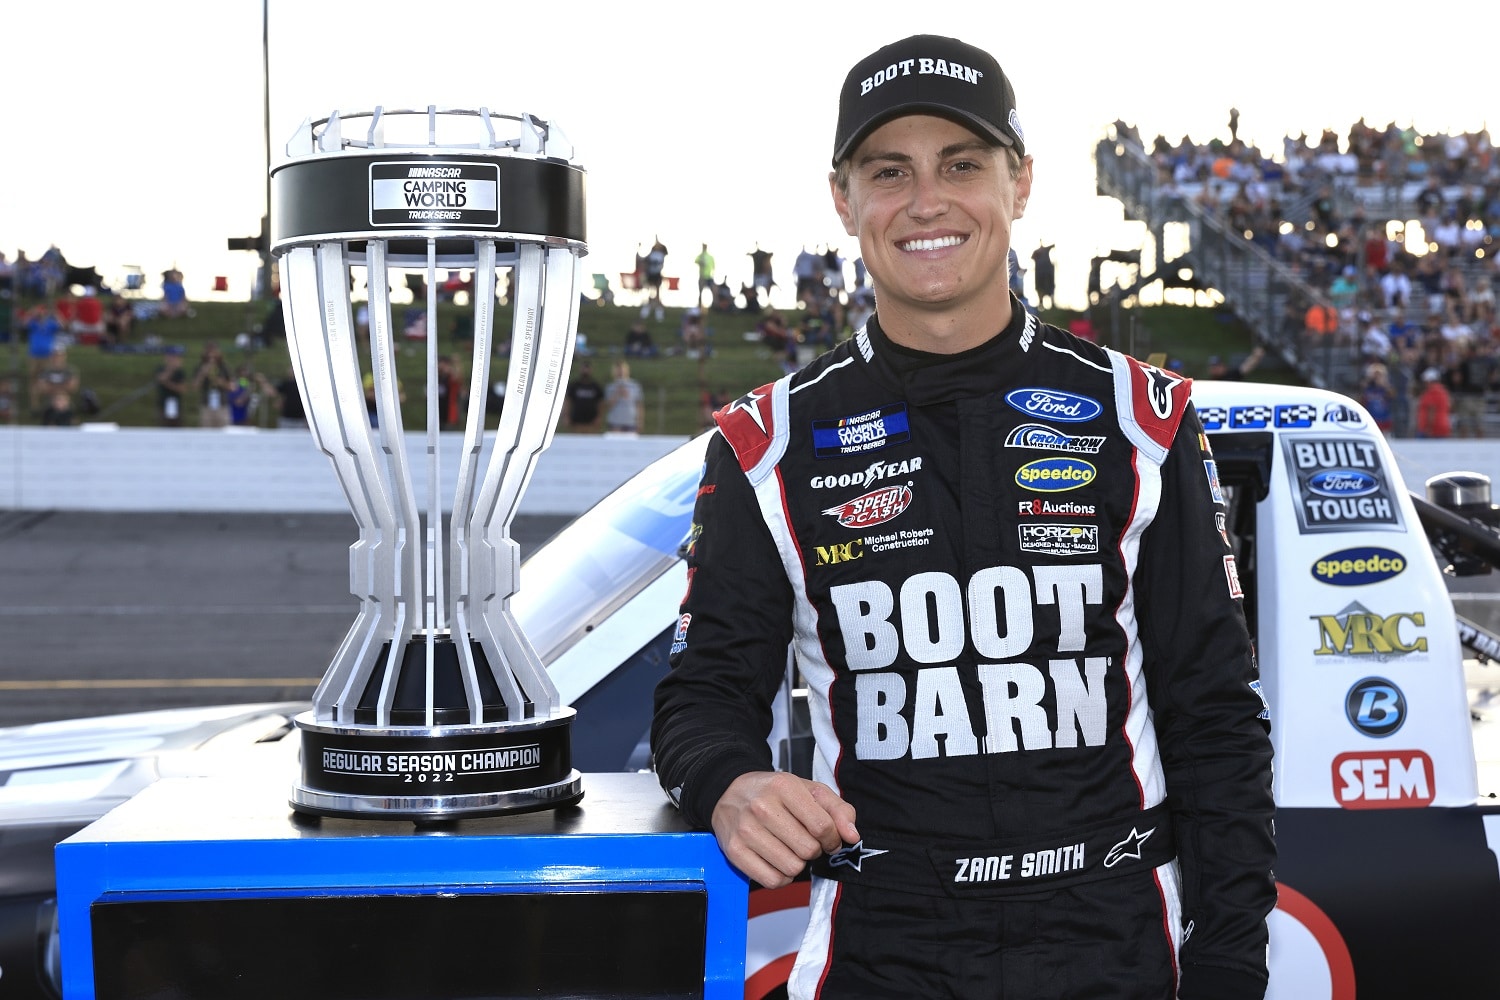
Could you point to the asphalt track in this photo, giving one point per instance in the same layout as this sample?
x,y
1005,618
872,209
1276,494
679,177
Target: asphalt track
x,y
108,613
102,613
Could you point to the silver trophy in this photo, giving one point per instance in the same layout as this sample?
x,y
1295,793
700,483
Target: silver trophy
x,y
435,706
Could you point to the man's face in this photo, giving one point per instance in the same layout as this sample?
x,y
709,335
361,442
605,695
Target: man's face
x,y
932,205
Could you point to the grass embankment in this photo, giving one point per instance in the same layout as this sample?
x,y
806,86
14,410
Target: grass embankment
x,y
675,385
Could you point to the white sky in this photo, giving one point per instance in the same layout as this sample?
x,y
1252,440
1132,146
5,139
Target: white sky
x,y
133,132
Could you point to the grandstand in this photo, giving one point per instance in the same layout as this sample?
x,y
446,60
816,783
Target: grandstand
x,y
1298,246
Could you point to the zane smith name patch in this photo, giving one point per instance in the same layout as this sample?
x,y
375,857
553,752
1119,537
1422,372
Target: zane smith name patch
x,y
861,432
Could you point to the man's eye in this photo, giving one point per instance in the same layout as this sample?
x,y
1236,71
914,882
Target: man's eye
x,y
964,166
886,173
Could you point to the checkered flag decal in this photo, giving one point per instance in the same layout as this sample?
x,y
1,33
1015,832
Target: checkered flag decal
x,y
1250,416
1296,415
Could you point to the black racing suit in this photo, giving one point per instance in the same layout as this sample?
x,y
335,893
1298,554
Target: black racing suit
x,y
1006,582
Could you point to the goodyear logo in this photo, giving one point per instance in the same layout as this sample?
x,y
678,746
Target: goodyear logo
x,y
839,552
1358,566
1055,475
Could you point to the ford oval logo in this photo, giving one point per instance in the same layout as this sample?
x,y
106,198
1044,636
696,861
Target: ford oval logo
x,y
1055,475
1054,404
1358,566
1343,483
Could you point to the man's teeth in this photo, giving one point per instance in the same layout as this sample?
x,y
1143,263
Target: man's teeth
x,y
937,244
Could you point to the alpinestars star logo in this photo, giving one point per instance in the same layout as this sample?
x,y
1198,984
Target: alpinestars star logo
x,y
1130,847
750,403
852,856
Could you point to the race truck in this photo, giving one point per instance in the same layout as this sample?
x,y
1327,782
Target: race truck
x,y
1380,695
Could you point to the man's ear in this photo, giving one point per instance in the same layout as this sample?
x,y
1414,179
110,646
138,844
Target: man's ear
x,y
841,205
1023,188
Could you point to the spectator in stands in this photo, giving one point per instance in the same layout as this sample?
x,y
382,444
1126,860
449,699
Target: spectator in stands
x,y
1377,395
242,397
1402,332
1456,333
59,410
174,303
55,377
1219,370
1043,275
1469,380
638,342
289,402
171,382
861,307
808,270
694,335
1374,338
625,401
450,393
1395,287
119,317
751,295
833,274
654,265
212,381
581,411
43,327
773,331
723,298
1433,407
761,280
705,262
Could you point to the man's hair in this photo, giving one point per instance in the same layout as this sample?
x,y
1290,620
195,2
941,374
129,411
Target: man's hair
x,y
844,168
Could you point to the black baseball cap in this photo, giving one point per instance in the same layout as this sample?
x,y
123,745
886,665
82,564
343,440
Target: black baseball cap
x,y
928,73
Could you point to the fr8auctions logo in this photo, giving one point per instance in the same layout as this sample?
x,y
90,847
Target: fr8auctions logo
x,y
1389,779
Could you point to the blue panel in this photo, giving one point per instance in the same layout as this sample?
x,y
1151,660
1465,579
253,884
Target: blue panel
x,y
206,838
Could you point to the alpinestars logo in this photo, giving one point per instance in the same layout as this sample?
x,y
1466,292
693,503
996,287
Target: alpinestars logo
x,y
1130,847
1160,392
853,856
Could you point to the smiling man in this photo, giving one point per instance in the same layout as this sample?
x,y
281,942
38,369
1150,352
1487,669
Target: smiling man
x,y
994,554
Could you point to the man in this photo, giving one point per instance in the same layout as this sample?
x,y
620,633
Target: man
x,y
994,553
581,404
625,401
705,262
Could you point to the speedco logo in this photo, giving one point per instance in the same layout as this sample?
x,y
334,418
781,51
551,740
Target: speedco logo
x,y
876,472
1383,779
875,507
1355,567
1054,404
1055,475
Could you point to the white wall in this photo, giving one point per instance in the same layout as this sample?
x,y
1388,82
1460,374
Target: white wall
x,y
192,469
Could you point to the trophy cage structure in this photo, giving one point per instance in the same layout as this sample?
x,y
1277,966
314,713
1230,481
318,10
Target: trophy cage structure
x,y
435,704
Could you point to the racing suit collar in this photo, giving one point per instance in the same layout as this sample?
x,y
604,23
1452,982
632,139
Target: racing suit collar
x,y
922,377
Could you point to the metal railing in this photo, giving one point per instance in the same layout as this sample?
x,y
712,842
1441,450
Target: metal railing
x,y
1267,294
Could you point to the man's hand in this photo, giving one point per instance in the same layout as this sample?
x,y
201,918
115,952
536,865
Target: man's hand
x,y
770,824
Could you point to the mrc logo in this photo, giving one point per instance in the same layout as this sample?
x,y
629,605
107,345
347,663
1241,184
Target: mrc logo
x,y
1358,631
838,552
1383,779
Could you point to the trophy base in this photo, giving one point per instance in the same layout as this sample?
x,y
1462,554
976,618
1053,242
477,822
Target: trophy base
x,y
435,774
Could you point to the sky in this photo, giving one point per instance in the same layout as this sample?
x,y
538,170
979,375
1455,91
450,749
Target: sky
x,y
134,134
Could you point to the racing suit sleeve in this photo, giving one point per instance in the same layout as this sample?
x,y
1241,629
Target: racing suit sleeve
x,y
713,709
1212,727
